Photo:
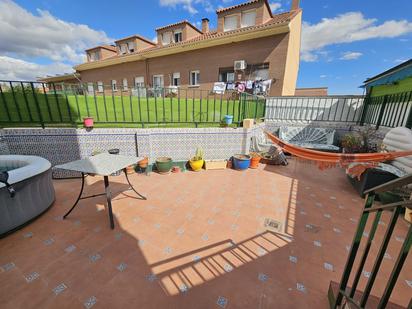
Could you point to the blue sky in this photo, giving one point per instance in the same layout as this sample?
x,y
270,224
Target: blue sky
x,y
344,41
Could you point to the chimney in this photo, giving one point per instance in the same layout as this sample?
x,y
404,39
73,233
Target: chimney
x,y
205,25
295,5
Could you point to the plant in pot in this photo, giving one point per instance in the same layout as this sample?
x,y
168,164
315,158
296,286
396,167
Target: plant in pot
x,y
196,163
88,122
241,162
359,142
164,165
254,160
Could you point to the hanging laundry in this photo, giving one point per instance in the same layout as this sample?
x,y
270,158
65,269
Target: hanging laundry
x,y
219,87
249,84
230,86
241,87
266,85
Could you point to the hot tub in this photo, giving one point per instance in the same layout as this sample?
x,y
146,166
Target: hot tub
x,y
30,178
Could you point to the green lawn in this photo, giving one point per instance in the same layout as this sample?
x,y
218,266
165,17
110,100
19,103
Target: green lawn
x,y
21,109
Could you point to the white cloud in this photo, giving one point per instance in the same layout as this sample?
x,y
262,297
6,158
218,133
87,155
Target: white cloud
x,y
17,69
154,40
350,55
323,76
274,6
24,34
400,60
189,5
347,28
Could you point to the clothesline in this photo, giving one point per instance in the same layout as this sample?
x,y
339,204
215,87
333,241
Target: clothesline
x,y
253,86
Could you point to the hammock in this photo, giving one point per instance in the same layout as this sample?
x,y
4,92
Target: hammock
x,y
329,159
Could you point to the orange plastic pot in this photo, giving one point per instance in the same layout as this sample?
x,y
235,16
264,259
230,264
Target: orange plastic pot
x,y
254,162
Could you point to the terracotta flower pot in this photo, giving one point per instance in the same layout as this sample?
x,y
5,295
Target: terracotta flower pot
x,y
130,169
143,163
254,161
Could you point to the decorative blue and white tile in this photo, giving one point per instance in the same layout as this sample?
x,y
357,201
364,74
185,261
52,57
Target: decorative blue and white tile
x,y
121,267
353,220
327,216
387,256
59,289
118,236
141,242
328,266
31,277
293,259
183,288
210,221
301,287
70,249
261,252
90,302
48,242
136,219
95,257
302,212
222,302
319,205
234,227
317,243
97,229
8,266
157,226
205,237
77,223
151,277
365,234
347,248
409,283
263,277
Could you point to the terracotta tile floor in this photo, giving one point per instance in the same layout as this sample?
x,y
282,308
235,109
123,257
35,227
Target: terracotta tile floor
x,y
199,241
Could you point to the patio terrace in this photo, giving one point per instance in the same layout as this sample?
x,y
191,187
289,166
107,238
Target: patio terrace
x,y
199,241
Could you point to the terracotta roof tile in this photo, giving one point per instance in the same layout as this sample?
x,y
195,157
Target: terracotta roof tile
x,y
182,22
242,5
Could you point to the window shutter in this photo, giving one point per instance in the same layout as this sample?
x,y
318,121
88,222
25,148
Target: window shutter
x,y
230,23
248,18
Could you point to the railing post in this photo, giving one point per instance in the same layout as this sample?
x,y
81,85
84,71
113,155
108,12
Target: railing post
x,y
381,111
409,120
36,101
364,110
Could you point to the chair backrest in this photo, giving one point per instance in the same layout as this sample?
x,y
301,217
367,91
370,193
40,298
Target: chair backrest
x,y
307,135
400,139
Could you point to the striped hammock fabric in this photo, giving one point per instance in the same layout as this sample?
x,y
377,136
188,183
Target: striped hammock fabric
x,y
329,159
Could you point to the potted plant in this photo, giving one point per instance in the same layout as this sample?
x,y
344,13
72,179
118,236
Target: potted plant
x,y
254,160
144,162
228,119
241,162
130,169
88,122
196,163
164,165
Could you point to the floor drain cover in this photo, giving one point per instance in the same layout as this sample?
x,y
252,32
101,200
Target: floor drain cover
x,y
273,225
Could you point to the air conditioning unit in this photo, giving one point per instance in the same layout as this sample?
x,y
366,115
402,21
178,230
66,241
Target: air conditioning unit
x,y
240,65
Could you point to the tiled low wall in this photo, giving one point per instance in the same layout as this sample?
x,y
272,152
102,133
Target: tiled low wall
x,y
60,145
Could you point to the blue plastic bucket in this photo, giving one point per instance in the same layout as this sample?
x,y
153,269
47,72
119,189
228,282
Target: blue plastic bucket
x,y
228,119
241,162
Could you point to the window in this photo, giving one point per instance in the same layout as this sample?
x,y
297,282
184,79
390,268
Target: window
x,y
125,87
230,23
123,49
178,36
226,75
166,38
248,18
194,78
94,56
139,82
131,46
176,79
100,87
158,81
114,85
90,88
260,71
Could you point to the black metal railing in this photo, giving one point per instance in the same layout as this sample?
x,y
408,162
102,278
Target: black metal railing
x,y
25,103
346,293
392,110
346,109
